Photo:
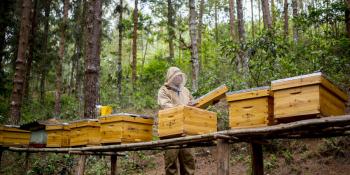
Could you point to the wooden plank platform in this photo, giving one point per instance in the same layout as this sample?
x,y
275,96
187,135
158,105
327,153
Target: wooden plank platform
x,y
312,128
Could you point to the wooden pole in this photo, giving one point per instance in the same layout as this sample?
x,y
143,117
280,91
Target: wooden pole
x,y
223,157
81,165
26,162
113,165
257,159
1,150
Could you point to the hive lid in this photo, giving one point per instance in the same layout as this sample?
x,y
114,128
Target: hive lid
x,y
13,128
211,96
309,79
83,122
249,93
126,117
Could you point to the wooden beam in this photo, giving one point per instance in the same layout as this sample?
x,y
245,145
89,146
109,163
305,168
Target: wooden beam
x,y
26,163
223,157
81,165
257,159
114,165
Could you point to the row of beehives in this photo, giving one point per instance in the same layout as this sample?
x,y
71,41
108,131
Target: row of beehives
x,y
111,129
287,100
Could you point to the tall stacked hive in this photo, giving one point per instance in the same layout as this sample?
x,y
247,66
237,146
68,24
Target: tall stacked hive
x,y
85,132
12,136
306,96
185,120
250,107
125,128
57,135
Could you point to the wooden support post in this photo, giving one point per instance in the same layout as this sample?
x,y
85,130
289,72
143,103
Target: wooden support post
x,y
257,159
113,165
1,150
81,165
26,163
223,157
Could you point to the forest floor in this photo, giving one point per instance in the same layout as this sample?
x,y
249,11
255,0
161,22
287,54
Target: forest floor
x,y
283,157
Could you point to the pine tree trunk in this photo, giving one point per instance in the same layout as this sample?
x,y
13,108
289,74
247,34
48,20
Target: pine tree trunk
x,y
171,27
92,57
232,19
194,49
43,64
58,92
347,17
34,18
216,21
18,80
286,19
200,26
266,14
252,9
240,19
259,13
273,12
134,46
120,50
295,15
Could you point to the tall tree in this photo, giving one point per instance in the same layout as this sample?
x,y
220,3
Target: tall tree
x,y
295,15
58,92
286,18
44,60
216,30
92,57
240,19
171,27
347,17
32,44
232,19
273,12
200,28
120,49
134,45
266,14
252,9
194,49
18,80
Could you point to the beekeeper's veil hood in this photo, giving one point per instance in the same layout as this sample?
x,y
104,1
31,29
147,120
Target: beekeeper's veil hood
x,y
173,72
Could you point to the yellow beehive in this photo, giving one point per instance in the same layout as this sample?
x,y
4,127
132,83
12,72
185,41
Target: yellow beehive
x,y
125,128
106,110
57,135
250,107
12,136
85,132
307,96
211,97
185,120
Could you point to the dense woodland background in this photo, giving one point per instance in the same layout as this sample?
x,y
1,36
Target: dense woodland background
x,y
60,58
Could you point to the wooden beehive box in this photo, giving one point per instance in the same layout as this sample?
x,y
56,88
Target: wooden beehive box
x,y
13,136
185,120
125,128
85,132
306,96
38,135
250,107
57,135
211,97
